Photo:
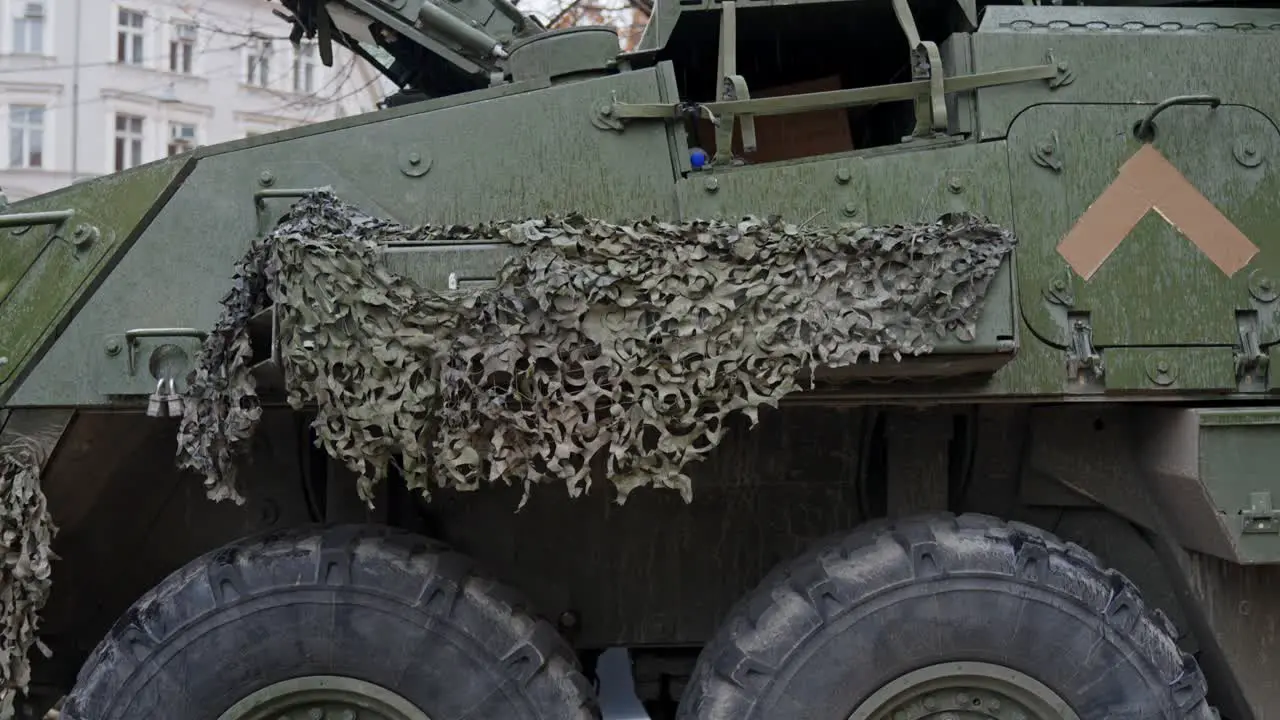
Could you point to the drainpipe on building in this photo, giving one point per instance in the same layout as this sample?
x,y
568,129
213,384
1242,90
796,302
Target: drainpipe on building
x,y
75,100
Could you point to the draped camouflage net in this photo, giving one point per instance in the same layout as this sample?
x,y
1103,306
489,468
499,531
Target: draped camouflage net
x,y
615,347
26,540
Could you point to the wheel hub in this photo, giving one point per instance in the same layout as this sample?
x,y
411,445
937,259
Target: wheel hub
x,y
964,691
323,697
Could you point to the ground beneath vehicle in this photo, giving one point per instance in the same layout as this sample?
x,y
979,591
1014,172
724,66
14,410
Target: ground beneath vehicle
x,y
1002,447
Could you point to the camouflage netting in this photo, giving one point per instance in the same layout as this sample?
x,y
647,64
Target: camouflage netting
x,y
26,539
622,345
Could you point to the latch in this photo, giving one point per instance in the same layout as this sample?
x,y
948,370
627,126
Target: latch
x,y
1251,362
1260,518
1084,362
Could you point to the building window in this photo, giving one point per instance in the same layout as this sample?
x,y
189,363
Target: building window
x,y
26,136
128,141
182,49
28,28
182,138
129,37
259,67
304,68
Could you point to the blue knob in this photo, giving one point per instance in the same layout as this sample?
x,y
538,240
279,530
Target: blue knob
x,y
698,157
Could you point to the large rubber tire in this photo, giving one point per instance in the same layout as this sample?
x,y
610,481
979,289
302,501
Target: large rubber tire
x,y
823,633
374,604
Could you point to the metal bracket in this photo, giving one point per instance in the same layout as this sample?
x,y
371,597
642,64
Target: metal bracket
x,y
131,338
83,236
260,198
1046,152
1260,518
610,116
926,66
727,65
1082,358
1252,363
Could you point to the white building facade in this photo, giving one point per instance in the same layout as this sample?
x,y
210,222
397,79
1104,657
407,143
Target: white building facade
x,y
89,87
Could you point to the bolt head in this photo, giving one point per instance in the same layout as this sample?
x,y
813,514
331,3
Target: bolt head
x,y
711,184
415,158
955,185
1265,283
113,346
1059,284
265,178
843,175
1162,367
850,209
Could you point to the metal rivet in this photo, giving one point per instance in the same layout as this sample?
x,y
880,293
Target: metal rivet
x,y
415,158
84,236
711,184
266,179
930,703
1261,286
994,705
1162,367
1059,284
568,619
114,347
1247,153
850,209
962,698
955,185
843,176
606,109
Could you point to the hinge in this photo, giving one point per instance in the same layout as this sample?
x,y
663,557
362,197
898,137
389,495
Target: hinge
x,y
1084,362
1260,517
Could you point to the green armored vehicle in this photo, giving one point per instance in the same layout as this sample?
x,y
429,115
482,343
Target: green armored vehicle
x,y
817,359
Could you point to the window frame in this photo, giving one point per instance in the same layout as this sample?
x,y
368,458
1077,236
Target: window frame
x,y
29,130
131,40
22,24
120,136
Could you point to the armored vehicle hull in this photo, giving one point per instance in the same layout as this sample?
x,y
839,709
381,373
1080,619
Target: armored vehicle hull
x,y
830,359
